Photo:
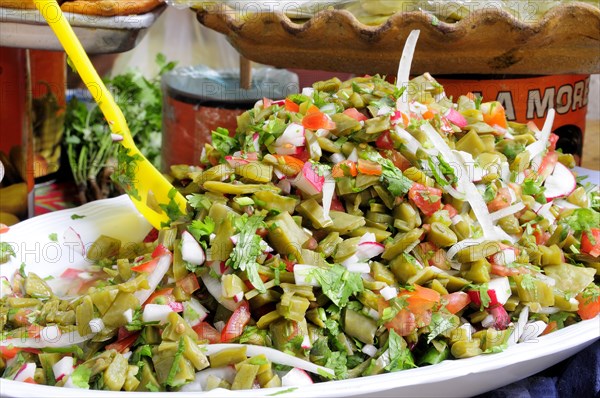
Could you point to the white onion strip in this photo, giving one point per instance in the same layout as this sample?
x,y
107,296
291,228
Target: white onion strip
x,y
272,355
214,288
404,69
537,148
507,211
154,278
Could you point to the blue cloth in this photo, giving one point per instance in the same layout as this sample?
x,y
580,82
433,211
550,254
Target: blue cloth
x,y
578,376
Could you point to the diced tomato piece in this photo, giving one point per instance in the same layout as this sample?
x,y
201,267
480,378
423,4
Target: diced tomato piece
x,y
345,168
421,299
553,140
502,270
501,200
123,344
4,228
313,109
147,266
289,265
428,114
152,236
404,323
591,246
189,284
207,332
384,141
9,352
450,209
316,120
427,199
355,114
160,250
494,114
470,96
396,157
589,307
456,301
162,296
236,323
29,380
541,237
369,167
293,163
291,106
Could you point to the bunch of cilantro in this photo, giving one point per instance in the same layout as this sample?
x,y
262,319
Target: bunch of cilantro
x,y
88,144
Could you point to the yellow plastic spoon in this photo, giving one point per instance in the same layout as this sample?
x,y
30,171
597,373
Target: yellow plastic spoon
x,y
153,195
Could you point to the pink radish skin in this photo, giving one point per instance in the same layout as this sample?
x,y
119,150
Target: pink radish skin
x,y
308,181
560,183
27,371
63,368
456,118
295,378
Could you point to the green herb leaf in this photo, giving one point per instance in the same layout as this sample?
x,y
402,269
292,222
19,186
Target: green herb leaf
x,y
535,189
244,253
222,142
81,376
292,389
199,201
6,251
440,323
583,219
338,283
400,356
202,228
175,366
76,217
53,237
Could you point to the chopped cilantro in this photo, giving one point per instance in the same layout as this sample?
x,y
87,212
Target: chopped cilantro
x,y
583,219
199,228
397,183
243,256
172,208
337,361
222,142
76,216
590,294
490,193
528,283
535,189
175,366
292,389
400,356
53,237
199,201
338,283
125,175
6,250
484,295
441,323
81,376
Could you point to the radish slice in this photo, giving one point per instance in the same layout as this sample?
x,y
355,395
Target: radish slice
x,y
226,373
308,181
27,371
361,268
272,355
292,137
296,378
63,368
456,118
156,313
500,286
402,78
368,250
72,239
507,211
302,275
560,183
191,251
162,266
214,288
306,345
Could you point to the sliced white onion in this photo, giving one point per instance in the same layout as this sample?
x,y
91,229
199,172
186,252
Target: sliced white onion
x,y
388,293
194,312
97,324
361,268
156,313
371,312
214,288
532,331
272,355
328,191
63,368
368,250
519,327
507,211
537,148
563,204
369,349
163,265
504,256
403,76
337,158
548,310
462,245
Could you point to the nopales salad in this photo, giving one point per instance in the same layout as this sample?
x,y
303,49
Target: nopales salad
x,y
353,229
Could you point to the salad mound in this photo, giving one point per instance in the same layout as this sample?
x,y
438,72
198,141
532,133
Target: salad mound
x,y
354,229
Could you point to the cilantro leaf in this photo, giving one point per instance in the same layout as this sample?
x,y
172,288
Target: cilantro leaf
x,y
244,253
199,228
338,283
6,250
81,376
292,389
484,295
535,189
583,219
199,201
172,208
175,366
53,237
400,356
397,183
337,361
76,216
441,323
222,142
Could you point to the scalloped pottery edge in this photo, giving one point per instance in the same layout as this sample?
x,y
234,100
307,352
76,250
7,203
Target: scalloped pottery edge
x,y
565,40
